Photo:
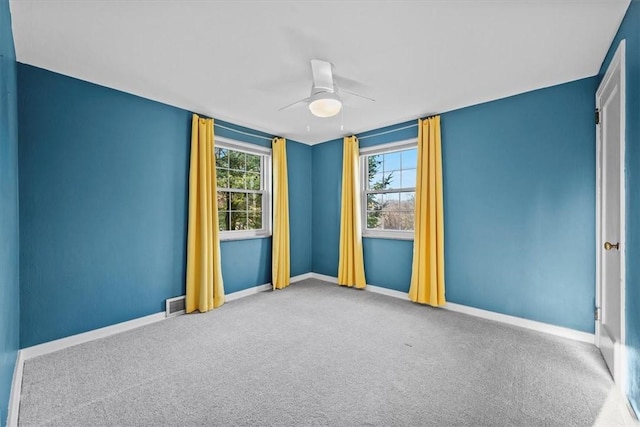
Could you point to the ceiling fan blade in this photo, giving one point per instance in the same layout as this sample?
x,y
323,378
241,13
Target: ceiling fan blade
x,y
356,94
293,103
322,74
351,84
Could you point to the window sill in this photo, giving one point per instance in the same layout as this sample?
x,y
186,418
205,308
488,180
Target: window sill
x,y
388,234
243,235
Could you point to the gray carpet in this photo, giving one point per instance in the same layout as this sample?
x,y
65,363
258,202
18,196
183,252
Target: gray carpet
x,y
318,354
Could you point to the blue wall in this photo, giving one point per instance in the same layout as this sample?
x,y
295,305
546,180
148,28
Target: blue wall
x,y
519,205
299,170
630,31
325,202
104,195
9,241
519,187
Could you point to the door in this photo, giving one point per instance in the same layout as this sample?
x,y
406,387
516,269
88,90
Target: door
x,y
610,329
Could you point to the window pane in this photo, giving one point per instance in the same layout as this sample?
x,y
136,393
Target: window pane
x,y
408,201
253,163
239,220
255,201
375,167
377,182
237,160
395,171
236,180
222,178
238,201
408,178
409,158
397,220
374,202
407,222
222,157
374,220
391,161
223,220
255,220
392,220
238,173
391,179
223,201
383,201
391,202
252,181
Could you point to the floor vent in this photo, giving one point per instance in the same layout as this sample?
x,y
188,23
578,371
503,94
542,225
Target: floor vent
x,y
175,306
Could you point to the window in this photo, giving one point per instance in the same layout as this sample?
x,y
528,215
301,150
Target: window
x,y
243,189
389,189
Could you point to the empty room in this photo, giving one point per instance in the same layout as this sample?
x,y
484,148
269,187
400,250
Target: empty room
x,y
319,213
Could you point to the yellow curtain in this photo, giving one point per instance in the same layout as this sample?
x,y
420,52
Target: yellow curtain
x,y
427,276
280,267
351,263
205,289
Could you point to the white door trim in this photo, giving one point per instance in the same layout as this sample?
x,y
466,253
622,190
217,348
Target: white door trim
x,y
618,61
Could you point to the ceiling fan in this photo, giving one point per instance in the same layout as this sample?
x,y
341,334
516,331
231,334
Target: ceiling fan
x,y
325,99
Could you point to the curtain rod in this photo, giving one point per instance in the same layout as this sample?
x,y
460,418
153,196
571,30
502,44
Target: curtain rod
x,y
242,132
269,139
388,131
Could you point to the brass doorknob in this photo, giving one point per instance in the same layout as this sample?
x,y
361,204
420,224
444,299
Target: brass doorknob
x,y
608,246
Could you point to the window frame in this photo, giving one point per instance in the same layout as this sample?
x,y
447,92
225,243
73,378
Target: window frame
x,y
364,178
266,190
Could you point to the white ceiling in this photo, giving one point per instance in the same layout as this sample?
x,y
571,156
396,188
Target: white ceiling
x,y
240,61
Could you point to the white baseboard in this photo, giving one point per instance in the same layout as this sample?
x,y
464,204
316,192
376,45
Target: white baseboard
x,y
319,276
62,343
261,288
16,390
51,346
560,331
246,292
387,292
485,314
301,277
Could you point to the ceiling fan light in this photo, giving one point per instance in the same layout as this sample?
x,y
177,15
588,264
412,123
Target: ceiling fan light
x,y
325,105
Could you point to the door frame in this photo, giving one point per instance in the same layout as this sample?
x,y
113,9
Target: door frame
x,y
618,61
